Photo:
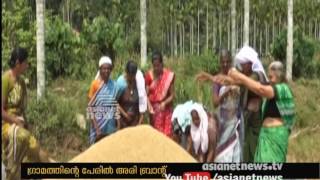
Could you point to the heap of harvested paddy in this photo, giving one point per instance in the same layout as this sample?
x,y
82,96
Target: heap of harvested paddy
x,y
135,144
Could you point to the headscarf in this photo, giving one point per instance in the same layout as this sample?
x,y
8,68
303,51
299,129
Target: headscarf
x,y
141,87
248,54
200,134
103,60
182,113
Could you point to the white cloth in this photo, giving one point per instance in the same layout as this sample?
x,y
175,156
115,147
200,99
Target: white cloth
x,y
199,134
3,171
248,54
182,113
103,60
143,101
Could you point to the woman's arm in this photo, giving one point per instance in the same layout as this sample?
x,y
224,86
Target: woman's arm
x,y
150,108
141,118
123,112
215,97
189,145
219,79
256,87
171,96
9,118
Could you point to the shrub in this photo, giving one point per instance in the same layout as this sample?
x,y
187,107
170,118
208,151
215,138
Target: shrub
x,y
303,51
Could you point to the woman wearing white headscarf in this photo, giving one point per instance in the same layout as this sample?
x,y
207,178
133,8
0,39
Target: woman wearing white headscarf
x,y
102,107
250,102
278,111
203,134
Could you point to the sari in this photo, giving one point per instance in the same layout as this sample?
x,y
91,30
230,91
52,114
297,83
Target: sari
x,y
158,91
273,141
228,147
103,107
129,101
18,145
252,122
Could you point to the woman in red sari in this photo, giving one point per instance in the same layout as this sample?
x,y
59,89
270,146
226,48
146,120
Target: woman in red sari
x,y
160,89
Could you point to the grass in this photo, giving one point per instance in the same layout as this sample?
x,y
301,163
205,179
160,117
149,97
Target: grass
x,y
54,119
304,144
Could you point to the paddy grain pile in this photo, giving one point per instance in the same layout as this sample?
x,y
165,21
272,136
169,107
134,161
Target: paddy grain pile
x,y
135,144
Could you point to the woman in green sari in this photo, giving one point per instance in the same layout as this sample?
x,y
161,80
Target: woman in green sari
x,y
277,111
18,145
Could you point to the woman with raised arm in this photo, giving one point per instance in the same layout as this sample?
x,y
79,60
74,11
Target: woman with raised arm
x,y
277,111
226,99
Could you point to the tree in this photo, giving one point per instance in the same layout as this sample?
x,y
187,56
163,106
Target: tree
x,y
40,7
143,27
233,27
246,23
289,41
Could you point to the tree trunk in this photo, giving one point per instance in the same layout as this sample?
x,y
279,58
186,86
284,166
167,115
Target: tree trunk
x,y
198,49
233,22
168,40
267,38
171,36
213,33
180,38
190,37
220,30
273,28
228,32
304,26
143,29
310,28
163,40
315,29
279,27
290,41
246,22
254,32
175,38
260,42
68,11
207,29
40,8
183,40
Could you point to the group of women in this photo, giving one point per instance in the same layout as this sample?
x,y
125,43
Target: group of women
x,y
255,111
125,101
254,117
252,123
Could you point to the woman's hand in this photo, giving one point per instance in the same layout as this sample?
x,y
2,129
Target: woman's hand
x,y
150,109
19,120
223,79
202,76
98,133
162,106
